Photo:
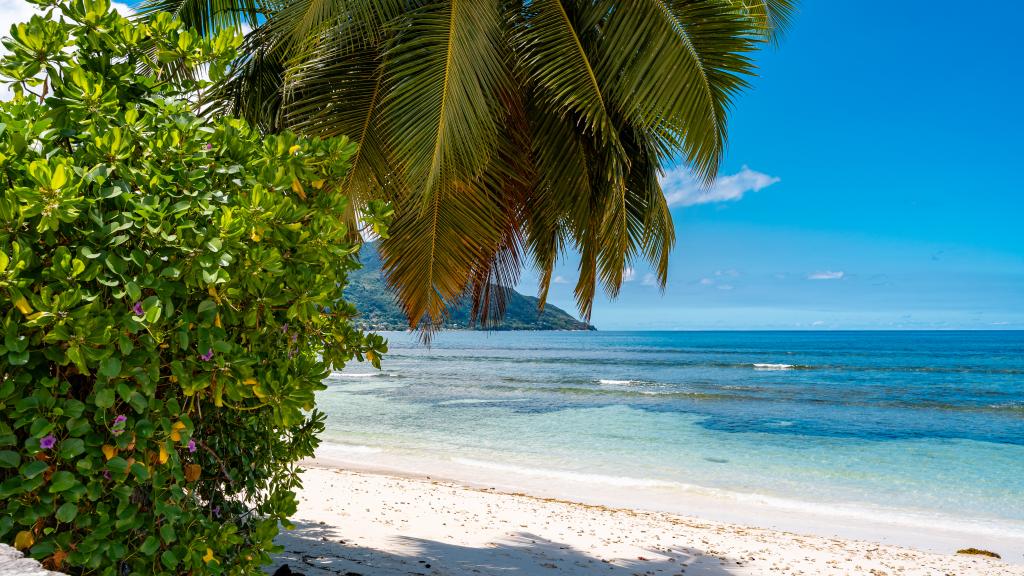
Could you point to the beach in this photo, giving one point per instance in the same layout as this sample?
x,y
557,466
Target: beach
x,y
703,453
373,524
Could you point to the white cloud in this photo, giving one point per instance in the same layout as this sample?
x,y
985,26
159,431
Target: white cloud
x,y
682,189
725,287
628,275
650,280
560,280
706,281
730,272
827,275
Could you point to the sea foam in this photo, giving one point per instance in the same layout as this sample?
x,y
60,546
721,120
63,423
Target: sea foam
x,y
774,366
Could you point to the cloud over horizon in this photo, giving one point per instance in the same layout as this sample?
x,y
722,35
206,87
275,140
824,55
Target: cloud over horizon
x,y
826,275
681,188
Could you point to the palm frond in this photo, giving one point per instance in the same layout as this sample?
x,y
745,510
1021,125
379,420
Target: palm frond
x,y
502,130
441,116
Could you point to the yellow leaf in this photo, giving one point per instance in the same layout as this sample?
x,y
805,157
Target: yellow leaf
x,y
24,540
216,321
109,451
318,184
212,290
176,429
193,472
22,305
255,237
297,188
249,381
295,148
209,555
163,455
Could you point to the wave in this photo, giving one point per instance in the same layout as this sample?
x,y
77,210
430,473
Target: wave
x,y
620,382
350,448
774,366
360,375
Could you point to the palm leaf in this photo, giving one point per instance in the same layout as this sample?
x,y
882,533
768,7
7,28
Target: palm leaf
x,y
443,76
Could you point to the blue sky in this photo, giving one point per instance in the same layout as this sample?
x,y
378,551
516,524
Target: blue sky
x,y
875,182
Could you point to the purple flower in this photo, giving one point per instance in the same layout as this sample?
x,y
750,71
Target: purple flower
x,y
47,442
284,328
216,511
191,445
209,146
137,309
208,356
106,474
118,426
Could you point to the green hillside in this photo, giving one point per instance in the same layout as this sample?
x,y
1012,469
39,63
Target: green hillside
x,y
378,311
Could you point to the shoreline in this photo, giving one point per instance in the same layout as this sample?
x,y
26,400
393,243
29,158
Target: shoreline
x,y
387,523
936,533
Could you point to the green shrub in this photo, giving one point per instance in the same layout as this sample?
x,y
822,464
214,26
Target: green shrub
x,y
169,303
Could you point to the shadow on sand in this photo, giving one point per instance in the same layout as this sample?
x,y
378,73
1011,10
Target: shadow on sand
x,y
315,550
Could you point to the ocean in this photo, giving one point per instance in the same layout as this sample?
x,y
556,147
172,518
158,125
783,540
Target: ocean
x,y
927,427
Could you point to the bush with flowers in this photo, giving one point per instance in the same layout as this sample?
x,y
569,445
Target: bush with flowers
x,y
169,302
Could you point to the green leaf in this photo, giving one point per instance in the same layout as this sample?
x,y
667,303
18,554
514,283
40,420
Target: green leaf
x,y
105,397
133,290
67,512
168,559
71,447
9,459
167,533
110,366
61,481
33,468
152,308
150,546
17,358
117,465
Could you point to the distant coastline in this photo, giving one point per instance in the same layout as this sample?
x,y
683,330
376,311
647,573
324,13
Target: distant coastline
x,y
379,312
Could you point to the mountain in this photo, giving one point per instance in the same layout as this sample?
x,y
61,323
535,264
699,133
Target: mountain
x,y
378,310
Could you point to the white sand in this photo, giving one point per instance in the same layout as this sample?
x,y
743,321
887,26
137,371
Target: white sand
x,y
359,523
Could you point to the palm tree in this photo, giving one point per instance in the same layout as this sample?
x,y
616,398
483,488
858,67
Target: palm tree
x,y
505,132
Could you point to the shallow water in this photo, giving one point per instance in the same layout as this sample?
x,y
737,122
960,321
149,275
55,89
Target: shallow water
x,y
908,422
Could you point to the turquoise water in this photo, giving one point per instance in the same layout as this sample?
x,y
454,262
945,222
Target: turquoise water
x,y
928,422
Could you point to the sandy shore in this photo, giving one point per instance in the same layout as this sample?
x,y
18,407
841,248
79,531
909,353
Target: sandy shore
x,y
359,523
